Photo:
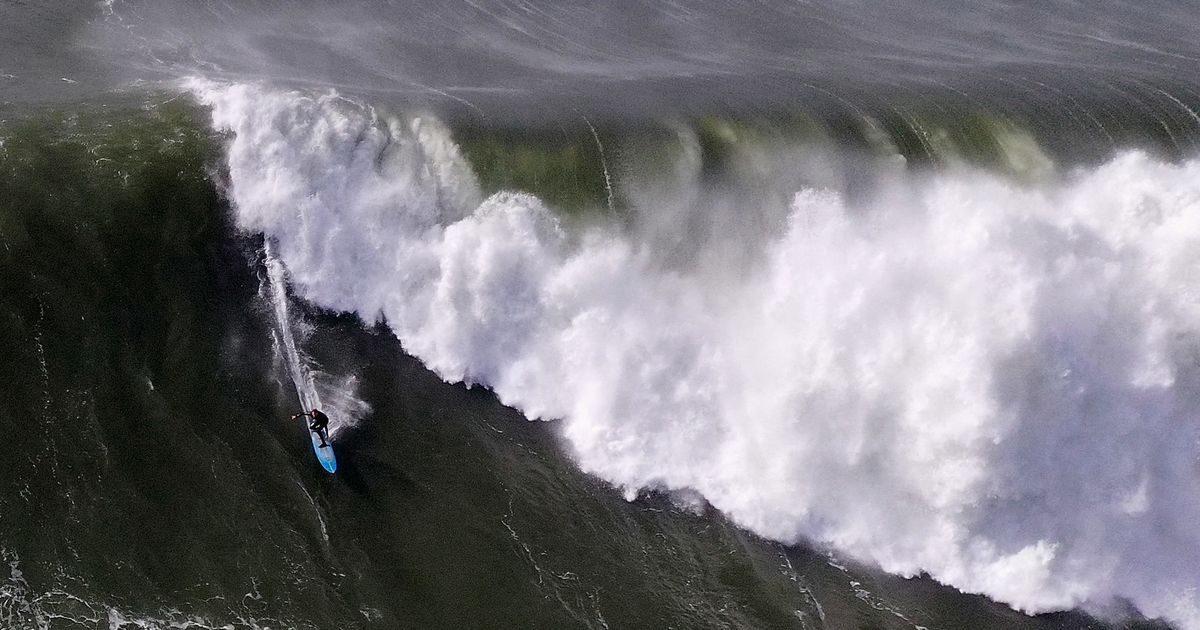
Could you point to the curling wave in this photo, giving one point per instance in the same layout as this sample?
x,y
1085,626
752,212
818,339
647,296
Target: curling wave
x,y
990,382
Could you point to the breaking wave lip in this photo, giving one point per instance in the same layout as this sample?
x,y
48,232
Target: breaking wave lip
x,y
991,383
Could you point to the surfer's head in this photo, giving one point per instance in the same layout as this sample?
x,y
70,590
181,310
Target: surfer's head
x,y
314,410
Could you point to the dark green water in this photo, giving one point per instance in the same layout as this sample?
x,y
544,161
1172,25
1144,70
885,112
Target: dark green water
x,y
152,478
1042,157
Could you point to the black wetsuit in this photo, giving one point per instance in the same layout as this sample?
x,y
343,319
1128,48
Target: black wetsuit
x,y
320,423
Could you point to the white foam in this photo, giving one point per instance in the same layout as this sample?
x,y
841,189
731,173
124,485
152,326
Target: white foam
x,y
993,384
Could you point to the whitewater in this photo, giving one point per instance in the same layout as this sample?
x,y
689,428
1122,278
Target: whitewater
x,y
988,381
285,339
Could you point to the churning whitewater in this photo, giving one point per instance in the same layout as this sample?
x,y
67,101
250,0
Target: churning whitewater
x,y
992,382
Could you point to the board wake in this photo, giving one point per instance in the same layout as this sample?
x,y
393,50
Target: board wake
x,y
306,391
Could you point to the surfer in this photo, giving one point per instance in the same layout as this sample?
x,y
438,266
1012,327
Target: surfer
x,y
320,424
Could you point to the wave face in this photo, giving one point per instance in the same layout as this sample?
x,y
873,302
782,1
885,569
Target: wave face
x,y
991,382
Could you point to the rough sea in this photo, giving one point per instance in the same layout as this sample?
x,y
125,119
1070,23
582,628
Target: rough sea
x,y
627,314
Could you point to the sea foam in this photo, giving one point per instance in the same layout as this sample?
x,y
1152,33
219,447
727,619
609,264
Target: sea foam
x,y
992,383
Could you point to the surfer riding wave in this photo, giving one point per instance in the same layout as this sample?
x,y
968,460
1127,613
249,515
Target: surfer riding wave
x,y
319,424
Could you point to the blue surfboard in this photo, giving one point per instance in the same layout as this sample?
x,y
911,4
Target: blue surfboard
x,y
324,453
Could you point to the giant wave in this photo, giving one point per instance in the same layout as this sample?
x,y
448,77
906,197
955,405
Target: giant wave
x,y
990,382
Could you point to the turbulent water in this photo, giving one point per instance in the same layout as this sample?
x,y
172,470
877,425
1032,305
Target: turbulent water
x,y
837,316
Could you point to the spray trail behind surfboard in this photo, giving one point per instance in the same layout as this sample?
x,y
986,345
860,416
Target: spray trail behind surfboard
x,y
306,390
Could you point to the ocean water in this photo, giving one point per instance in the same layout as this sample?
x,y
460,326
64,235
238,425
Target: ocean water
x,y
627,315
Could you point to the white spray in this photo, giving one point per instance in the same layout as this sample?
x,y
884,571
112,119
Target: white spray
x,y
993,384
306,389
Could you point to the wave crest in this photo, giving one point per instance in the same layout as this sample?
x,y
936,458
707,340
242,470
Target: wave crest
x,y
988,382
